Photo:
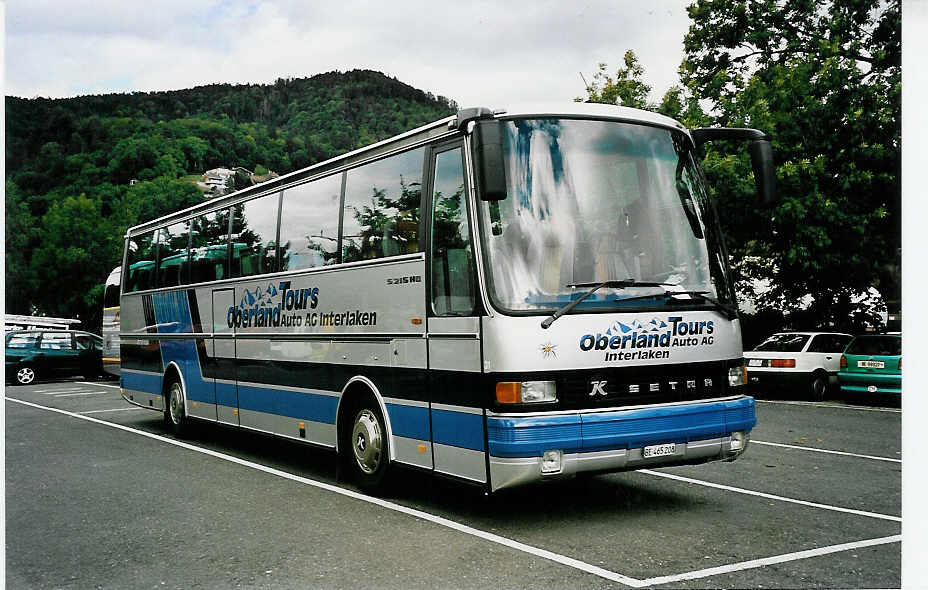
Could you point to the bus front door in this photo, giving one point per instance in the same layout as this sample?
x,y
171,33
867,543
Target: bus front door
x,y
458,441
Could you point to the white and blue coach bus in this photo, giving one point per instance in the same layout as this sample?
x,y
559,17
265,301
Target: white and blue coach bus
x,y
501,297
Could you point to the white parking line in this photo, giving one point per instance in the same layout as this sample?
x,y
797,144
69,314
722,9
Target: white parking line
x,y
833,406
112,410
98,384
772,444
58,391
755,563
719,486
83,393
513,544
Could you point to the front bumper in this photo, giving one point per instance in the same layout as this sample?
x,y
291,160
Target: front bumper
x,y
613,440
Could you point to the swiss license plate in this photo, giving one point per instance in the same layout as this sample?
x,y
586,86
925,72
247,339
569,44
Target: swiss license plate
x,y
870,364
659,450
755,363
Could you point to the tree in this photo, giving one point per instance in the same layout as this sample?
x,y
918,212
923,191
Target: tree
x,y
77,251
823,78
21,233
626,89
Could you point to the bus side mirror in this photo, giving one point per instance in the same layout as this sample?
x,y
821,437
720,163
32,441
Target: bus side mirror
x,y
490,170
765,177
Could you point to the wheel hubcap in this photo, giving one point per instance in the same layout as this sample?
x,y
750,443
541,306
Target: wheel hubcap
x,y
367,441
818,386
175,403
25,375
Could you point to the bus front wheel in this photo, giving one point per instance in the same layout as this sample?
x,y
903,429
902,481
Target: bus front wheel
x,y
367,447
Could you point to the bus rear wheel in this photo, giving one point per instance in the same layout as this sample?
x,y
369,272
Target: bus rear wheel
x,y
174,414
367,447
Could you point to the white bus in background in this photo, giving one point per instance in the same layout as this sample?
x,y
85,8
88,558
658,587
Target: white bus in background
x,y
500,297
110,329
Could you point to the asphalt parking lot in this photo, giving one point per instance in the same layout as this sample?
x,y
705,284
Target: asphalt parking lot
x,y
99,495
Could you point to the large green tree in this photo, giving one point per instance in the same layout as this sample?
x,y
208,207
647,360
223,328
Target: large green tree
x,y
823,78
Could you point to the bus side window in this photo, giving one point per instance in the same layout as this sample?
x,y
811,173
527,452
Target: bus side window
x,y
209,247
141,262
309,224
451,251
381,216
254,236
172,255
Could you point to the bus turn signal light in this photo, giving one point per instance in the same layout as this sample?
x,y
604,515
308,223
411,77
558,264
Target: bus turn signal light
x,y
509,392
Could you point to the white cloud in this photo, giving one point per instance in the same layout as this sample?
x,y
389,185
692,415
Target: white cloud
x,y
478,53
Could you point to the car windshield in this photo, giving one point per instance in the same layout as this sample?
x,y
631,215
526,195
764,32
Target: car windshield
x,y
594,201
876,346
783,343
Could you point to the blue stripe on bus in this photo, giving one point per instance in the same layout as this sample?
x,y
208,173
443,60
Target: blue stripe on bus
x,y
226,394
458,429
292,404
531,437
141,382
409,421
172,314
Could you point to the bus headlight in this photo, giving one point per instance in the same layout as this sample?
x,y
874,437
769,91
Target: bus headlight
x,y
526,392
737,376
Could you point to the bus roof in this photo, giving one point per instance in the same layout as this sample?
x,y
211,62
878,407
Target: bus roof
x,y
437,129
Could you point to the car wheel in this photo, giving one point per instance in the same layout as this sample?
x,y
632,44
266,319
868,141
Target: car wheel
x,y
25,375
174,414
818,386
369,449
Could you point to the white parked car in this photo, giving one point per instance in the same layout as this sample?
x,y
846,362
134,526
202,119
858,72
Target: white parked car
x,y
797,361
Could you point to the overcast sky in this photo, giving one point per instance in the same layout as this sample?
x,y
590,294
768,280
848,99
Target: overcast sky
x,y
480,53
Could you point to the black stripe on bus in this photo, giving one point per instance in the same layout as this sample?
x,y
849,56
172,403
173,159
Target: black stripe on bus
x,y
194,311
141,357
624,386
148,311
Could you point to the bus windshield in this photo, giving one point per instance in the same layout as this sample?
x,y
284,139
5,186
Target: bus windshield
x,y
591,201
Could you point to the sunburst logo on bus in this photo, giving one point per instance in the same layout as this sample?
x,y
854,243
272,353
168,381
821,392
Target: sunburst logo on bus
x,y
547,350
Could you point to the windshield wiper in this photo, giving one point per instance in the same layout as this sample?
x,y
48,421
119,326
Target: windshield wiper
x,y
729,311
596,287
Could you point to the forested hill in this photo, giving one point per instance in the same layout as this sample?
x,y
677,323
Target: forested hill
x,y
81,170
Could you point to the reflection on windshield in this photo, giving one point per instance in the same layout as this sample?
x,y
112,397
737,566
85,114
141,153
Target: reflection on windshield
x,y
591,201
784,343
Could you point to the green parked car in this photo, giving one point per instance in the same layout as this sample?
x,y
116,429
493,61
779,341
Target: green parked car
x,y
872,364
44,354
